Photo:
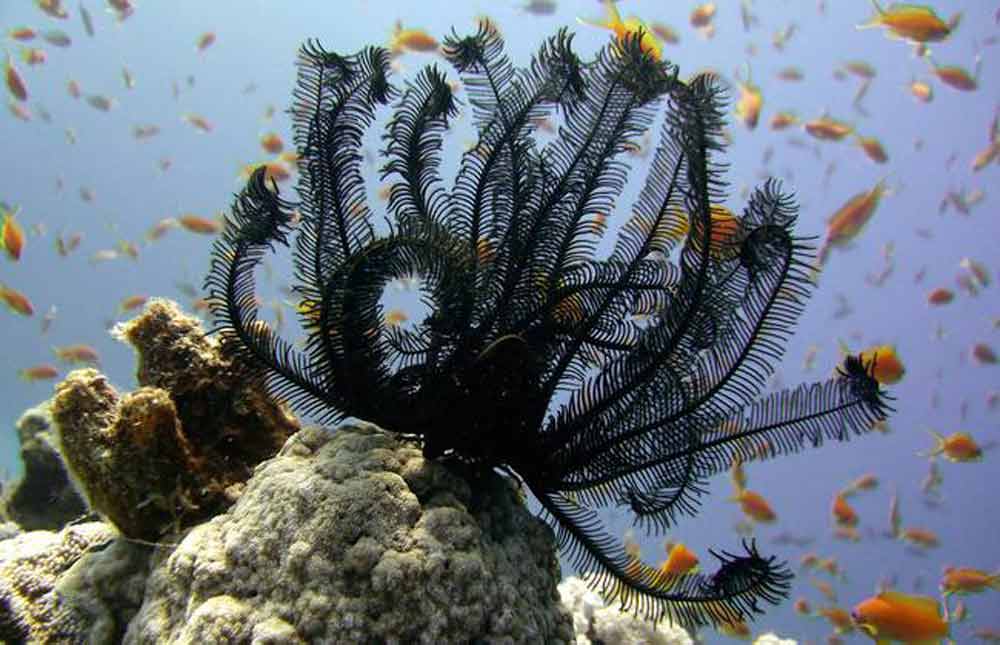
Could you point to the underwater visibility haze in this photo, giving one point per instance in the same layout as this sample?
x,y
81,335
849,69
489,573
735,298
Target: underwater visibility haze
x,y
560,253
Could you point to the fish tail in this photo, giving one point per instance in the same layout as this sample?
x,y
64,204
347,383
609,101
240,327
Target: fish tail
x,y
876,20
939,443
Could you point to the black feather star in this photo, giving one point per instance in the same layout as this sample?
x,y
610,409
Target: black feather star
x,y
659,352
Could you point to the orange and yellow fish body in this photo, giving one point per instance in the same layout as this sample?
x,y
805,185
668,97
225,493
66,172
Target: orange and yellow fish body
x,y
843,513
201,225
78,353
41,372
680,561
872,148
916,23
23,34
883,362
966,580
629,28
956,76
53,8
754,506
16,301
838,617
15,84
272,143
198,121
782,120
958,447
892,616
923,538
702,15
986,156
850,219
749,104
416,40
922,91
12,237
827,129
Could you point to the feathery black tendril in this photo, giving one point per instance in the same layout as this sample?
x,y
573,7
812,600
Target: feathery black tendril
x,y
663,354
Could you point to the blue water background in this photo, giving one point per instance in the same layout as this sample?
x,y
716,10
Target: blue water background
x,y
257,42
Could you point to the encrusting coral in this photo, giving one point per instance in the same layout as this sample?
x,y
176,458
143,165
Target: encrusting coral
x,y
176,450
354,537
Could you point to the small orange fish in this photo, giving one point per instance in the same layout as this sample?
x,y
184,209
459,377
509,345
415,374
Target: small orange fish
x,y
754,506
802,606
23,34
916,23
680,561
201,225
395,317
922,91
100,102
57,38
73,88
665,33
865,482
955,76
885,365
53,8
839,619
791,74
940,296
12,237
984,354
33,55
205,41
272,143
860,69
631,27
131,303
78,353
827,129
957,447
15,84
415,40
873,148
16,301
924,538
894,616
986,156
198,122
843,513
782,120
161,227
750,102
702,15
965,580
41,372
850,219
121,8
273,171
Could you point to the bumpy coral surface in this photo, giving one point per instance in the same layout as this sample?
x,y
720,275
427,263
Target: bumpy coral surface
x,y
65,588
355,537
176,450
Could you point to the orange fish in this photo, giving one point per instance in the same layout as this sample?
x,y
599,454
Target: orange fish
x,y
205,41
865,482
922,91
121,8
395,317
916,23
894,616
873,148
15,300
201,225
955,76
198,121
702,15
73,88
78,353
665,33
986,156
957,447
41,372
272,143
965,580
860,69
850,219
924,538
940,296
782,120
984,354
629,28
23,34
273,171
791,74
15,84
12,237
53,8
828,129
415,40
33,55
750,102
838,617
100,102
843,513
754,506
883,362
131,303
680,561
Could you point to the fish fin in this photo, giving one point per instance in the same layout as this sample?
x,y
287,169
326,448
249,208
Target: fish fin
x,y
876,20
614,18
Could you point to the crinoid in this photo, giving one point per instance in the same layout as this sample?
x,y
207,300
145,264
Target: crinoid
x,y
624,381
